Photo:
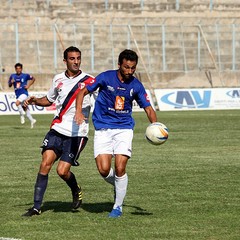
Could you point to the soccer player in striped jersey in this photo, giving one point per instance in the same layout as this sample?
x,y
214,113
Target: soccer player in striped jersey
x,y
21,83
113,122
65,139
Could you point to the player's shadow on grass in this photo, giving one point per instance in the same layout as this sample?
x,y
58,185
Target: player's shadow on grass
x,y
139,211
97,207
58,206
107,207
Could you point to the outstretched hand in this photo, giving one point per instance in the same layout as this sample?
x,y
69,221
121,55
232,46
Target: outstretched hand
x,y
30,101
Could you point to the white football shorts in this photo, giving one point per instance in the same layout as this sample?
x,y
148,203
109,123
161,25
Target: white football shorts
x,y
113,141
22,98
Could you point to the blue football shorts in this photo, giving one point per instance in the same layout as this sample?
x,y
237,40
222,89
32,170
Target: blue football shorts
x,y
66,148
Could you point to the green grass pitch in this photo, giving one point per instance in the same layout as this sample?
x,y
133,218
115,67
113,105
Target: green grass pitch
x,y
186,189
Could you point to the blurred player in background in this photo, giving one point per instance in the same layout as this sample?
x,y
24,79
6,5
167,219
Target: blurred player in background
x,y
66,139
21,83
113,122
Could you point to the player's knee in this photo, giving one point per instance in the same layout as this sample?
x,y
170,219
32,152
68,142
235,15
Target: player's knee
x,y
62,173
45,168
103,169
104,172
120,171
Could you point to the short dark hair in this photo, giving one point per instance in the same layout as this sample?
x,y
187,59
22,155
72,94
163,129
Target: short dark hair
x,y
18,65
128,55
70,49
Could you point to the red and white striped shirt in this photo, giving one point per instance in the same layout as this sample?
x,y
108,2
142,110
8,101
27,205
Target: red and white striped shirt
x,y
63,92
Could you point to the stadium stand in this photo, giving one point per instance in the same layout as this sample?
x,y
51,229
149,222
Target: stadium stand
x,y
180,43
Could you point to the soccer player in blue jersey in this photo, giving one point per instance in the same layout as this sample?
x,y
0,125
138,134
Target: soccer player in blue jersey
x,y
113,122
21,83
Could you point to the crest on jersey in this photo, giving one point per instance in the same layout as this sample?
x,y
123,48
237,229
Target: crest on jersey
x,y
131,92
81,85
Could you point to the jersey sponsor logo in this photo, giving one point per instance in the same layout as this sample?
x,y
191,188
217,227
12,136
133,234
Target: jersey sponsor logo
x,y
18,85
123,89
119,103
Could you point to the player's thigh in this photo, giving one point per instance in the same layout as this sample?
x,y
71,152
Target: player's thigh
x,y
103,142
48,159
22,98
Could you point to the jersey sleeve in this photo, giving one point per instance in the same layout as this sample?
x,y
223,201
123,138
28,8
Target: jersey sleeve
x,y
30,77
96,83
52,92
142,97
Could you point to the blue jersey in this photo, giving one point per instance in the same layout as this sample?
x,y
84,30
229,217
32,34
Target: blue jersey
x,y
113,106
20,81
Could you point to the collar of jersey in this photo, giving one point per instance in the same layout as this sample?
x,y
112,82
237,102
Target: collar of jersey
x,y
74,75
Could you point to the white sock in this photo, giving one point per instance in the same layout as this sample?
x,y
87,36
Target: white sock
x,y
28,114
21,111
121,184
110,177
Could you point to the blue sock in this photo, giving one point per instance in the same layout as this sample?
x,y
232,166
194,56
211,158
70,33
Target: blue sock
x,y
39,190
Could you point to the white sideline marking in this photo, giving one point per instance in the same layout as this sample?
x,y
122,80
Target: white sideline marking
x,y
3,238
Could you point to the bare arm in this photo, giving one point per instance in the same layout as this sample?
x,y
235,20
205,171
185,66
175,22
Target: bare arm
x,y
79,117
151,114
43,101
10,82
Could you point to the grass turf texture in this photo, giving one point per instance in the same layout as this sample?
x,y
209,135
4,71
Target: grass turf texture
x,y
187,188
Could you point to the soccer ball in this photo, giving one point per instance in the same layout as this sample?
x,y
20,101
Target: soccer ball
x,y
156,133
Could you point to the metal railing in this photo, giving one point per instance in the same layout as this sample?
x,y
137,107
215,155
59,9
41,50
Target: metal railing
x,y
164,48
176,5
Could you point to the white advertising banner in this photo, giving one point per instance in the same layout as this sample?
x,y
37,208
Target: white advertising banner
x,y
198,99
8,106
167,100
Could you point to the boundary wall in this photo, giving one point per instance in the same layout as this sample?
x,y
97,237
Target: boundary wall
x,y
167,100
